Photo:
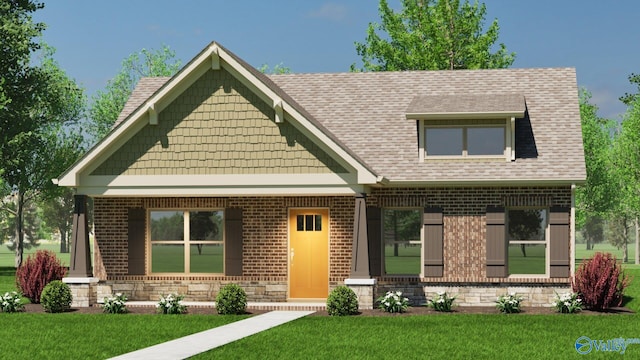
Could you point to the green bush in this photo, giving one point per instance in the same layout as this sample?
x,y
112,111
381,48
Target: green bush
x,y
231,300
56,297
342,301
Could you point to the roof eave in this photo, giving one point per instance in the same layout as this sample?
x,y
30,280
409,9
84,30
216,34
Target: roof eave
x,y
466,115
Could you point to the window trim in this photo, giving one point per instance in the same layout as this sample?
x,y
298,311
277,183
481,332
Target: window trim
x,y
186,242
509,139
545,242
382,242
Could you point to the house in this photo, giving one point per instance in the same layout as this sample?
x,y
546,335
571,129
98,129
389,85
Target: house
x,y
290,185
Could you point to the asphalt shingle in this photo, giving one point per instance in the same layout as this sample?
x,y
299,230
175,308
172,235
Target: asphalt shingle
x,y
366,113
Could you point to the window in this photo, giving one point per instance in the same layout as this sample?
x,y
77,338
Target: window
x,y
185,241
471,140
527,236
401,233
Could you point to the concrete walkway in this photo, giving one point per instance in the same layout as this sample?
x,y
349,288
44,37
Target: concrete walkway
x,y
194,344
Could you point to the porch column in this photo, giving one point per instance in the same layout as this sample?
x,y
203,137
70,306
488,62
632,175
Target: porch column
x,y
360,280
80,277
80,261
360,250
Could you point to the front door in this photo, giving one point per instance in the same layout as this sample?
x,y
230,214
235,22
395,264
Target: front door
x,y
308,253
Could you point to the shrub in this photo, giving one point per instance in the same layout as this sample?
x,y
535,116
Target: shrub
x,y
36,272
442,302
393,302
56,297
509,304
600,281
11,302
231,300
171,304
567,303
115,304
342,301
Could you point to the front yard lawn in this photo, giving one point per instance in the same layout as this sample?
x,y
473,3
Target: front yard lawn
x,y
446,336
94,336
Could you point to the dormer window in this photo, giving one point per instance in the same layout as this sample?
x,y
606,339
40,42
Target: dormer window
x,y
465,140
466,126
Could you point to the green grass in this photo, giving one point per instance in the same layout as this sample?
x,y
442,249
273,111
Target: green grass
x,y
583,253
94,336
7,257
447,336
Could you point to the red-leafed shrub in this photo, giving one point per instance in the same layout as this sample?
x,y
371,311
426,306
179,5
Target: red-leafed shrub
x,y
600,281
35,273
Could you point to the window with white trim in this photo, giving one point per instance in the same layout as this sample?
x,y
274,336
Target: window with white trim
x,y
527,234
482,140
186,241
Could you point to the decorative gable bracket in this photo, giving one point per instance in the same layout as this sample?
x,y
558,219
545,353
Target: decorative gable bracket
x,y
277,107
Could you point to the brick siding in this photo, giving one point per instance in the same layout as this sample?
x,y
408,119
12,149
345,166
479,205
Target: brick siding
x,y
265,239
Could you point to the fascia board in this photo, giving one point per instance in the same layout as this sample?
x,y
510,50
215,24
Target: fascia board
x,y
138,181
482,182
224,191
465,115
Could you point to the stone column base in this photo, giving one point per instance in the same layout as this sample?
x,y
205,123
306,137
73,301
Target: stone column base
x,y
365,289
83,291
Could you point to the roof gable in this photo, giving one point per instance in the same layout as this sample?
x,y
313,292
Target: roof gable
x,y
213,57
218,126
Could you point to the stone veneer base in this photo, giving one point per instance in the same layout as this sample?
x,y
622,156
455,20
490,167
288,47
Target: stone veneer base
x,y
83,291
470,295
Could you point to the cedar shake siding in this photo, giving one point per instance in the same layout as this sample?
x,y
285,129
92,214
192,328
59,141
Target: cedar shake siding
x,y
217,126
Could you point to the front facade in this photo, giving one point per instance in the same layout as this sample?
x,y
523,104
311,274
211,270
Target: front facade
x,y
291,185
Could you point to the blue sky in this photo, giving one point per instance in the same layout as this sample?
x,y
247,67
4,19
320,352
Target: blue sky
x,y
599,38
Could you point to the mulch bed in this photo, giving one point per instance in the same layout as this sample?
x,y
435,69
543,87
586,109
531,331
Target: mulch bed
x,y
418,310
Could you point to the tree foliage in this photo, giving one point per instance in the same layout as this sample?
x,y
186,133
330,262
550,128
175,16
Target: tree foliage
x,y
432,35
277,69
108,103
630,98
38,101
598,195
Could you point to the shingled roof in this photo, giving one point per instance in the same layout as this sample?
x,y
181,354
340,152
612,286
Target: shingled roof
x,y
367,112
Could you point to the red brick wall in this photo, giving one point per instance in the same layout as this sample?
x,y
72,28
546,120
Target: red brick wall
x,y
464,221
265,229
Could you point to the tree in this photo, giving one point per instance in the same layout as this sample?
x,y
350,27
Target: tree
x,y
38,99
598,195
432,35
108,103
627,163
58,215
277,69
629,98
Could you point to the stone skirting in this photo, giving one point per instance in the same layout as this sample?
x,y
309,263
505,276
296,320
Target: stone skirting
x,y
83,291
477,295
365,290
193,290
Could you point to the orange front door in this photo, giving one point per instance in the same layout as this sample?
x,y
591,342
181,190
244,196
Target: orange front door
x,y
308,253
